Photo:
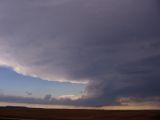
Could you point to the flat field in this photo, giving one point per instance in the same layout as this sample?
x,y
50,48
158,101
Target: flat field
x,y
15,113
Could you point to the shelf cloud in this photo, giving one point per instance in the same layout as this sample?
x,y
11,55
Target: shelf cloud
x,y
111,46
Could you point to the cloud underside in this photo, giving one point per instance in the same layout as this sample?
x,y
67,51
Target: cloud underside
x,y
111,46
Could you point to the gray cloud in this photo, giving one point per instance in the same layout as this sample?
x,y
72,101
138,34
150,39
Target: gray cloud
x,y
131,101
113,45
28,93
48,99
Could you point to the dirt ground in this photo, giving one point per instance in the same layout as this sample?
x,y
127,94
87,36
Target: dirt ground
x,y
7,113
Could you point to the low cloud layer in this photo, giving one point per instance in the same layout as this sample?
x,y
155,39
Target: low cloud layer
x,y
48,99
112,46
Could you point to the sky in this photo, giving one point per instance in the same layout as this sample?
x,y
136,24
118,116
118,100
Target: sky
x,y
91,53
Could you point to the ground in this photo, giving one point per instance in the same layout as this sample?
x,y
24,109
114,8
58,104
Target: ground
x,y
21,113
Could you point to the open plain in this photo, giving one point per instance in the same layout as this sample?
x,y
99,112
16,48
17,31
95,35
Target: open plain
x,y
16,113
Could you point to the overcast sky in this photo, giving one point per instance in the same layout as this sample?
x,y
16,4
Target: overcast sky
x,y
80,52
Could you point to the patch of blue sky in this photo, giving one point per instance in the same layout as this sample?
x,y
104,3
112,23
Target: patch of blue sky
x,y
12,83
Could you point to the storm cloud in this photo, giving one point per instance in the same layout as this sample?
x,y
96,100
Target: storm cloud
x,y
111,46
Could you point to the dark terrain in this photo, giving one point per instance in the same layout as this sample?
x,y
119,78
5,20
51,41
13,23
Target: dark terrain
x,y
22,113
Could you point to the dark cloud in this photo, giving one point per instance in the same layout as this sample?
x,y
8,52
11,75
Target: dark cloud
x,y
139,101
113,45
48,97
146,77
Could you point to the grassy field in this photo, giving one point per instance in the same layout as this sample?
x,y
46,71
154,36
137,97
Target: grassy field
x,y
65,114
